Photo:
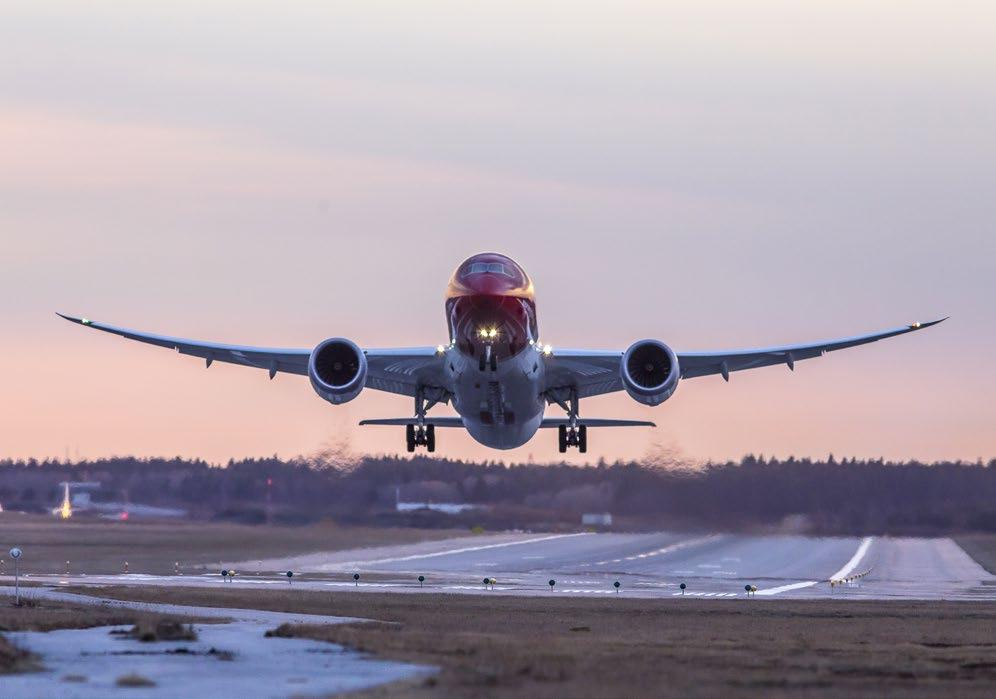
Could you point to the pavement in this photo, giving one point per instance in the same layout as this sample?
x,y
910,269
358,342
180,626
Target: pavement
x,y
645,564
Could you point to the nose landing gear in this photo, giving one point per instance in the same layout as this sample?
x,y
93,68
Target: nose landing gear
x,y
420,436
572,437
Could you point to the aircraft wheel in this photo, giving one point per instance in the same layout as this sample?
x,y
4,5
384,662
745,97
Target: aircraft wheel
x,y
430,437
583,439
562,438
410,437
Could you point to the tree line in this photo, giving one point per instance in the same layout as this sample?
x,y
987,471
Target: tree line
x,y
825,496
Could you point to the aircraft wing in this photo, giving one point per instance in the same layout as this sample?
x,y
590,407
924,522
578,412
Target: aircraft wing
x,y
596,372
391,370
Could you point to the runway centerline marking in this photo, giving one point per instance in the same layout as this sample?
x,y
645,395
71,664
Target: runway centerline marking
x,y
465,549
667,549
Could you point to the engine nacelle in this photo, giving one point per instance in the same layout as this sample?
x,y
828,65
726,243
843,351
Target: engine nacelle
x,y
650,372
338,370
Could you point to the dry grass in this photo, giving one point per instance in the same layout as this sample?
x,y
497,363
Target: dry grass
x,y
14,659
503,646
44,615
99,546
134,680
981,547
149,631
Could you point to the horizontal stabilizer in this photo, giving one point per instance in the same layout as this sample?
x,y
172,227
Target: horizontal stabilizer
x,y
596,422
402,421
547,422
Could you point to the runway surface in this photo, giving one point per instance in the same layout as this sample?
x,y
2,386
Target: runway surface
x,y
645,565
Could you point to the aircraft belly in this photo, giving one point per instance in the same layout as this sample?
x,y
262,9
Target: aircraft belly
x,y
501,409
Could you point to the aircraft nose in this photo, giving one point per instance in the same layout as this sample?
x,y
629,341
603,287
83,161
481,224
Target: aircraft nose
x,y
489,283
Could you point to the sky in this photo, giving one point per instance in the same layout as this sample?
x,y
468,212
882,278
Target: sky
x,y
711,174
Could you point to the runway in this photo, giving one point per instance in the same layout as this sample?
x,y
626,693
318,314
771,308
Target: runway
x,y
645,565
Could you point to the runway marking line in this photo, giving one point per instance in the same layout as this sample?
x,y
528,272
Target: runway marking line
x,y
667,549
465,549
843,572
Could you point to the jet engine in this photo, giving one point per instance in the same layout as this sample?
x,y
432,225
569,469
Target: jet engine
x,y
650,372
338,370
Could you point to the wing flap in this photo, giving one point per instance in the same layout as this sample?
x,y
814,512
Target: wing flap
x,y
291,361
695,364
399,371
596,372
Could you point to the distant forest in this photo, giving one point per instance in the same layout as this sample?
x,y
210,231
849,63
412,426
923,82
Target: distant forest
x,y
755,494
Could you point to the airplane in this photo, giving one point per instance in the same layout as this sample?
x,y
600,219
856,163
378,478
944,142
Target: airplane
x,y
495,371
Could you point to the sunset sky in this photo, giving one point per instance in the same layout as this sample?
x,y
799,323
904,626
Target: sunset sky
x,y
713,174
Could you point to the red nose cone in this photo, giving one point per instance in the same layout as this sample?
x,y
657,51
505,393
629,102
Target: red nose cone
x,y
489,284
490,274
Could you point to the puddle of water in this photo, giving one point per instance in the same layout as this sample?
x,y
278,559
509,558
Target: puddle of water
x,y
244,663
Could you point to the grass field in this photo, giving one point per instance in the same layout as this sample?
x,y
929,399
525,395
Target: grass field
x,y
98,546
981,547
504,646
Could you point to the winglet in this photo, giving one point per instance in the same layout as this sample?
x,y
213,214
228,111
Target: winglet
x,y
920,326
74,319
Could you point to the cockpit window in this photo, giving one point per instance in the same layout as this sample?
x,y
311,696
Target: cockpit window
x,y
481,267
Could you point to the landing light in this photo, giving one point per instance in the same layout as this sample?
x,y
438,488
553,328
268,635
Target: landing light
x,y
440,349
915,325
547,350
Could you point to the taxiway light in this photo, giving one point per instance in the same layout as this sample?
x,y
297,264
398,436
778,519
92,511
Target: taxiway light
x,y
421,579
552,583
356,579
15,552
682,586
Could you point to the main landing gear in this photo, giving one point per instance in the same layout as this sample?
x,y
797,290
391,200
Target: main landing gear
x,y
420,436
573,434
572,437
